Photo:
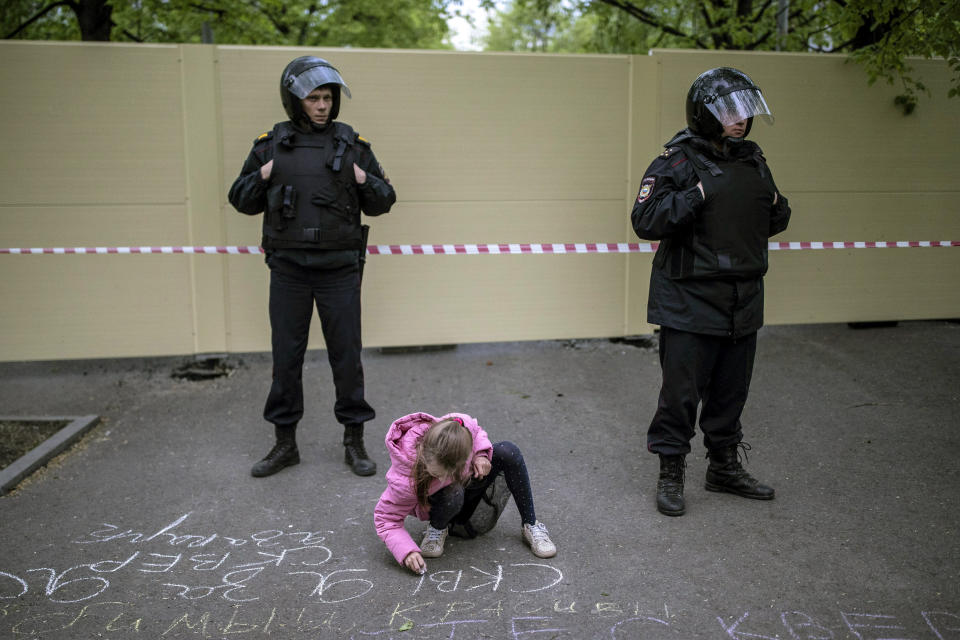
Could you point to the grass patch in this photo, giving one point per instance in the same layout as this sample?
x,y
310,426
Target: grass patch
x,y
17,437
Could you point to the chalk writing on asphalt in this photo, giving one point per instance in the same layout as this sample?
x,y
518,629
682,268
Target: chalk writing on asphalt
x,y
224,586
466,619
179,562
184,563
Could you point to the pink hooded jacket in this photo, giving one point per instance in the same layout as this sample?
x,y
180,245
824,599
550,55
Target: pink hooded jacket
x,y
399,500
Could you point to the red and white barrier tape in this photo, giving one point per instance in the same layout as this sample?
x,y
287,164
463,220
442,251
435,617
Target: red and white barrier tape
x,y
479,249
111,250
620,247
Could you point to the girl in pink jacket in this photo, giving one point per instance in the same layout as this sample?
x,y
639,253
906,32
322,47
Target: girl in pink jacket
x,y
440,469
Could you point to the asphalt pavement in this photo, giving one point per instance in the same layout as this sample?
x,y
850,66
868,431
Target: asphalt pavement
x,y
152,527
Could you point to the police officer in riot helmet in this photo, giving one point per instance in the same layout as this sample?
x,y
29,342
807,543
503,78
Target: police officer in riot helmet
x,y
311,176
710,200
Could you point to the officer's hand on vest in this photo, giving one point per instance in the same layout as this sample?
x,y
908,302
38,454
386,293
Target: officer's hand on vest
x,y
360,174
265,170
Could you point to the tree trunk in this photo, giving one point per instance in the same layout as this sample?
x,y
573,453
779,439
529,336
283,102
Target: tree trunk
x,y
94,18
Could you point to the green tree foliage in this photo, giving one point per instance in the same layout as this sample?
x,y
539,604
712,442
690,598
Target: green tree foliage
x,y
878,34
530,25
420,24
620,26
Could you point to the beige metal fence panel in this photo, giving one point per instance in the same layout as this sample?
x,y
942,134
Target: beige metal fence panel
x,y
136,145
95,155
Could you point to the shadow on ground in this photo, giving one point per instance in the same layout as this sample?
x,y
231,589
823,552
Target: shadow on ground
x,y
151,527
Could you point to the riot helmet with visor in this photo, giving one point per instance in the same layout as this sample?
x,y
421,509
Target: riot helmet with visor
x,y
719,97
303,75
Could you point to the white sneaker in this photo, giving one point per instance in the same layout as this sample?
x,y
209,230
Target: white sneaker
x,y
537,537
432,544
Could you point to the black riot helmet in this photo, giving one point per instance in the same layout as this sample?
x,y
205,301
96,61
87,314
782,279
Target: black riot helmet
x,y
720,97
303,75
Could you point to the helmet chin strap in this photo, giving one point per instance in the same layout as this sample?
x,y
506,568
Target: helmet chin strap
x,y
304,123
727,143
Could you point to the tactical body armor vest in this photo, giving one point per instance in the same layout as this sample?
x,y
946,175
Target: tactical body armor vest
x,y
730,235
312,202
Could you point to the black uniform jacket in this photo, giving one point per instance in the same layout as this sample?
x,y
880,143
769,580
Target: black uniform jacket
x,y
248,195
667,207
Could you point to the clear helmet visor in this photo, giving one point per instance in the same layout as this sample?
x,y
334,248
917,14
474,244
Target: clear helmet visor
x,y
306,81
738,105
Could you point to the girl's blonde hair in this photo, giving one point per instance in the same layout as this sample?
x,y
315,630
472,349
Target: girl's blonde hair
x,y
447,443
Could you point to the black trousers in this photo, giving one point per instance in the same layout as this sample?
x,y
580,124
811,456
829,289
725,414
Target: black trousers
x,y
455,503
714,371
294,291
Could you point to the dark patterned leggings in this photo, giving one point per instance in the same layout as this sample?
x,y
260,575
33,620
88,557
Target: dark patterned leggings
x,y
453,501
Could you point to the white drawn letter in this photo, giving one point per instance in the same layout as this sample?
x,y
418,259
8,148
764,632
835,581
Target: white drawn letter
x,y
22,582
517,633
613,629
849,620
542,566
732,629
496,579
926,616
807,623
323,586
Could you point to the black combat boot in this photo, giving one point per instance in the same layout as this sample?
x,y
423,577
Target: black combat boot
x,y
670,485
354,454
725,473
284,453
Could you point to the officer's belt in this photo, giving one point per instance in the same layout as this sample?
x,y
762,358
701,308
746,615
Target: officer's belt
x,y
316,234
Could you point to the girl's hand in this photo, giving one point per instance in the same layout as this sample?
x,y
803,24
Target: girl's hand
x,y
481,467
414,562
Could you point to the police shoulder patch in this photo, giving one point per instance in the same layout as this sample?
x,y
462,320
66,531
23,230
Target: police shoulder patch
x,y
646,188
